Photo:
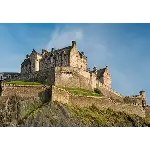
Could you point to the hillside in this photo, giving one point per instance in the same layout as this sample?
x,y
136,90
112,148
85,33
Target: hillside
x,y
62,115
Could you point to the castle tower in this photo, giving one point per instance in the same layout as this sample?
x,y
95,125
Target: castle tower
x,y
107,77
74,55
143,95
73,44
35,61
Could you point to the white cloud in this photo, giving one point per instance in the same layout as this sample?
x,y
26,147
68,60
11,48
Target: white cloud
x,y
61,38
87,41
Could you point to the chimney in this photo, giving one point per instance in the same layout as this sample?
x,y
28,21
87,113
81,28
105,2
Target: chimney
x,y
82,53
95,68
52,49
44,51
73,43
27,56
33,51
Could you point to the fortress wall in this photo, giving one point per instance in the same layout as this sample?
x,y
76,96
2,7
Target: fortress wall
x,y
85,74
23,90
147,110
137,100
47,76
110,93
64,96
35,94
70,77
75,78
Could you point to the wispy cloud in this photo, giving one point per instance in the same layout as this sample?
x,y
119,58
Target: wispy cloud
x,y
63,37
88,42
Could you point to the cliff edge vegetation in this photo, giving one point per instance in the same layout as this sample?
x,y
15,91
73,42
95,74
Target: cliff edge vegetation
x,y
55,114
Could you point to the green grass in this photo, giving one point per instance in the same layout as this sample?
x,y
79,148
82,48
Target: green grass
x,y
23,83
82,92
92,116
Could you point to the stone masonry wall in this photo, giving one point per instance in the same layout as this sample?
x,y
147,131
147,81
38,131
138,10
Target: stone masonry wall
x,y
106,91
147,110
40,93
61,95
134,100
76,78
23,91
71,77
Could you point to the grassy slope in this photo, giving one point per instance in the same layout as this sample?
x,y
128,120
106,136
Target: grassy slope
x,y
83,92
23,83
58,114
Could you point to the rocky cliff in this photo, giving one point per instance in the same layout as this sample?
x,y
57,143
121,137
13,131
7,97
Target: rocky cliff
x,y
28,112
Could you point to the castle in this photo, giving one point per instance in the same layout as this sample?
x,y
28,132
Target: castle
x,y
62,65
67,67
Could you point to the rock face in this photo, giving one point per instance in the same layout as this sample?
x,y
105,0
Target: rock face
x,y
31,112
0,88
42,93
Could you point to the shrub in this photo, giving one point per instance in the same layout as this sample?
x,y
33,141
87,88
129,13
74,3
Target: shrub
x,y
96,90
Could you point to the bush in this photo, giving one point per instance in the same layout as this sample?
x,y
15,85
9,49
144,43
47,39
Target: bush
x,y
96,90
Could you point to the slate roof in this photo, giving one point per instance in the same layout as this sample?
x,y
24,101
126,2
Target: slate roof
x,y
26,62
101,71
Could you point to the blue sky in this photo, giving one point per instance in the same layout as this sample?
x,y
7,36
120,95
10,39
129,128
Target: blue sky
x,y
125,48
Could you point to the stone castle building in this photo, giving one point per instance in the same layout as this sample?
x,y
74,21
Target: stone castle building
x,y
68,56
68,60
67,67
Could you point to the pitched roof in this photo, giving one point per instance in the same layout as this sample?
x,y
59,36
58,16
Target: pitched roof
x,y
26,62
65,49
101,71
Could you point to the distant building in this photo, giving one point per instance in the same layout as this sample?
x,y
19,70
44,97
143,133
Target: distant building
x,y
8,75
